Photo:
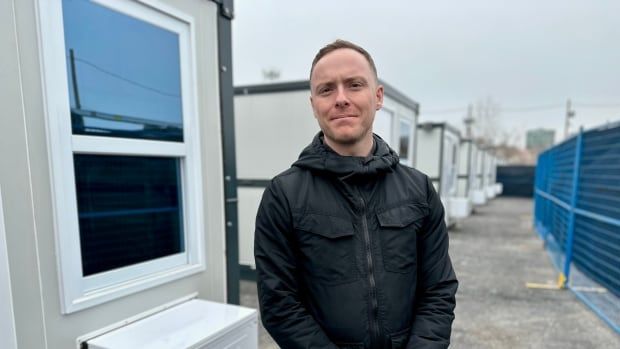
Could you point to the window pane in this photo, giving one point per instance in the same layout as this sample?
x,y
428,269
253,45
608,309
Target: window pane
x,y
405,136
129,210
383,125
123,74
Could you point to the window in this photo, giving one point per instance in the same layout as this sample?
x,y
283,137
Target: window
x,y
124,145
129,210
405,141
124,74
401,139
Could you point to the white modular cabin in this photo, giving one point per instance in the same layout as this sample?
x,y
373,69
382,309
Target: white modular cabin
x,y
498,187
467,167
486,176
437,155
490,166
274,123
493,188
116,211
466,177
479,194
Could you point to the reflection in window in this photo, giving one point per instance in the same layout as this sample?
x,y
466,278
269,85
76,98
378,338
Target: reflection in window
x,y
405,138
129,210
123,73
383,125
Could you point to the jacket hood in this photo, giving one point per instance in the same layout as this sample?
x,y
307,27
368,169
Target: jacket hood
x,y
319,157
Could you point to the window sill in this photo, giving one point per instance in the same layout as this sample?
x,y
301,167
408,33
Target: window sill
x,y
116,291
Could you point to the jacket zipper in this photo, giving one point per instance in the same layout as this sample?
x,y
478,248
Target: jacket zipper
x,y
374,333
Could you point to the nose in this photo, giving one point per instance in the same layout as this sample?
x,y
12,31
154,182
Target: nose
x,y
342,101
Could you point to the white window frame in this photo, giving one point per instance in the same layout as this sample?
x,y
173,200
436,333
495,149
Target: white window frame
x,y
76,291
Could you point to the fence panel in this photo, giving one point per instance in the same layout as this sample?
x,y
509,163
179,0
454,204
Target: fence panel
x,y
516,180
577,213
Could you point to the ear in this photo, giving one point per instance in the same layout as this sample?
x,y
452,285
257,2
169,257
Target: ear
x,y
312,105
379,96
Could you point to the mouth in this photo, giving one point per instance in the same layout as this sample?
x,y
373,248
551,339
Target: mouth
x,y
342,116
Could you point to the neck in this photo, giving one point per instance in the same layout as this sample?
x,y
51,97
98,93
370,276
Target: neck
x,y
361,148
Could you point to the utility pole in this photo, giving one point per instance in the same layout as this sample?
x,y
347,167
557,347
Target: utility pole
x,y
570,113
469,120
76,94
77,121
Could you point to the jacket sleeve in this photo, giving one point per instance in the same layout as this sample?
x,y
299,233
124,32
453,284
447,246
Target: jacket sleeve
x,y
437,284
282,312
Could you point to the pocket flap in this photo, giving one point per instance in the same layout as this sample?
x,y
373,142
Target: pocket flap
x,y
399,339
402,216
327,226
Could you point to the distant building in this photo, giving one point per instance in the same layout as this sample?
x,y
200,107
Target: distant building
x,y
539,139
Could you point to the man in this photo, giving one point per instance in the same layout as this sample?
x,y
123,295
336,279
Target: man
x,y
351,247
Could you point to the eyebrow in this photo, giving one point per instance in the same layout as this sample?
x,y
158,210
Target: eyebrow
x,y
346,81
356,78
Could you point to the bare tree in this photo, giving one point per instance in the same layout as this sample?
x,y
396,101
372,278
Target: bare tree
x,y
487,126
510,137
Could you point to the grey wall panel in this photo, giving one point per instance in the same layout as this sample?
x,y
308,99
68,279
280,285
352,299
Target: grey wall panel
x,y
464,158
17,192
271,130
249,199
462,187
428,151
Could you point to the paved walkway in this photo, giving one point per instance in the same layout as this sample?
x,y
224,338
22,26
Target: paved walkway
x,y
495,252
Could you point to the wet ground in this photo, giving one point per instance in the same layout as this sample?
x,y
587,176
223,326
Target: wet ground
x,y
495,253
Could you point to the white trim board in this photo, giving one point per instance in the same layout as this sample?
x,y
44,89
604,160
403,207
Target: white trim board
x,y
8,337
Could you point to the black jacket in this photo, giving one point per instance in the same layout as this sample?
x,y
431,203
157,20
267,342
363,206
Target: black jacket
x,y
352,252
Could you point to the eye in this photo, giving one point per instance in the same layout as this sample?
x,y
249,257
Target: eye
x,y
356,84
325,90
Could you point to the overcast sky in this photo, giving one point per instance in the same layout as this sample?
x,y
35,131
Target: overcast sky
x,y
447,54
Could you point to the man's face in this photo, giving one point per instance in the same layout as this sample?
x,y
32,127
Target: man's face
x,y
345,96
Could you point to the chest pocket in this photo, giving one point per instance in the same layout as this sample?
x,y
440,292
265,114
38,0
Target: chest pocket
x,y
399,227
327,246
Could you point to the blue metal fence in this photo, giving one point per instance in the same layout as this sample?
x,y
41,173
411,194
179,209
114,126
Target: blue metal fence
x,y
577,214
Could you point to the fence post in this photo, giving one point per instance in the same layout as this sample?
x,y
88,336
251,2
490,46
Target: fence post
x,y
546,183
536,209
545,188
573,203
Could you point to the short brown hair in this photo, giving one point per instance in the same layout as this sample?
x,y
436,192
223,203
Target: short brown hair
x,y
339,44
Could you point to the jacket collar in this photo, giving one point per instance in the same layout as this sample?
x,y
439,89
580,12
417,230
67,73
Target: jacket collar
x,y
319,157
